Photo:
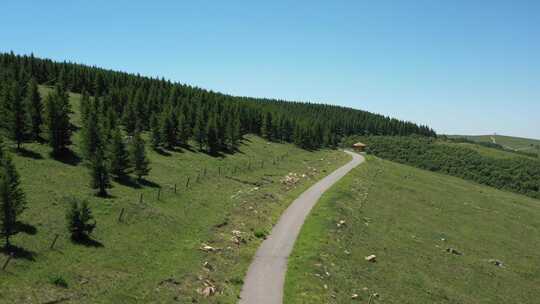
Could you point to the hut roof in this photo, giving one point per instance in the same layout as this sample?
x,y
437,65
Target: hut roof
x,y
359,144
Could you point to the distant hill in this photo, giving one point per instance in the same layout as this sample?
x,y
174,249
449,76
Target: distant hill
x,y
508,142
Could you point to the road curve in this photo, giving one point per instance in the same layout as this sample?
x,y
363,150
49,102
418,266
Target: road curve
x,y
264,281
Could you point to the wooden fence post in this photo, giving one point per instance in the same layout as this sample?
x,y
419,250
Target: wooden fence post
x,y
187,183
174,188
121,215
54,241
7,262
158,193
140,199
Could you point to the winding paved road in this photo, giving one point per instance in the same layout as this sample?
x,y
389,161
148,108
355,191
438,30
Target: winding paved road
x,y
266,275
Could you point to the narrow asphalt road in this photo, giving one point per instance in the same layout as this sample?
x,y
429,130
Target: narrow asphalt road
x,y
266,275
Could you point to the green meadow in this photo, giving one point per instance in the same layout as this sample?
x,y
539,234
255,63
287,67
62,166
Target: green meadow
x,y
149,235
436,238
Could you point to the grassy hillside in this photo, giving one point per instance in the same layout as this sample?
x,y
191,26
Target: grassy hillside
x,y
153,255
509,142
518,173
408,218
485,151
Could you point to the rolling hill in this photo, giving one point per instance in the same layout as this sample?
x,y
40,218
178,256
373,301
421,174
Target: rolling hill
x,y
508,142
436,238
149,235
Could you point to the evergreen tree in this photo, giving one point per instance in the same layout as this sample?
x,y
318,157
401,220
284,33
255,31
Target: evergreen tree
x,y
85,106
139,161
57,125
184,129
99,172
200,130
12,199
168,128
155,136
15,120
91,135
34,109
233,132
109,124
80,221
212,136
266,128
118,155
130,118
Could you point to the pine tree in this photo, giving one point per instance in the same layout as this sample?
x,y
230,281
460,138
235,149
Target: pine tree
x,y
266,128
34,109
99,172
15,119
12,199
57,125
118,155
233,133
130,118
138,158
168,128
91,135
80,221
155,136
212,136
109,124
184,129
200,130
85,106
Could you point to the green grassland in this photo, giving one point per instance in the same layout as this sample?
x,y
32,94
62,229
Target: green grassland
x,y
509,142
153,255
408,218
485,151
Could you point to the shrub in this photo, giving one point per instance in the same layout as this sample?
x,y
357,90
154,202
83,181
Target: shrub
x,y
261,234
59,281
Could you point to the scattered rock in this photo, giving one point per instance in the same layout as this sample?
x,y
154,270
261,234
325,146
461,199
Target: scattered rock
x,y
207,248
208,266
237,237
341,223
496,262
371,258
208,290
453,251
290,179
354,296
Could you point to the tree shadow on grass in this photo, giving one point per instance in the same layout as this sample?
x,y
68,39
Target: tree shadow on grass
x,y
88,242
26,228
128,182
147,183
68,157
162,152
188,147
28,153
18,252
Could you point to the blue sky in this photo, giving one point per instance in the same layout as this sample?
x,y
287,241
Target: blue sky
x,y
462,67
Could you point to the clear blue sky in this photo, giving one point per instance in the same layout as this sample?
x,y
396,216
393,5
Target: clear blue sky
x,y
468,67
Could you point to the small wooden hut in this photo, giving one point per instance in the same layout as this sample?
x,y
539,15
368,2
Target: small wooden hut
x,y
359,147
